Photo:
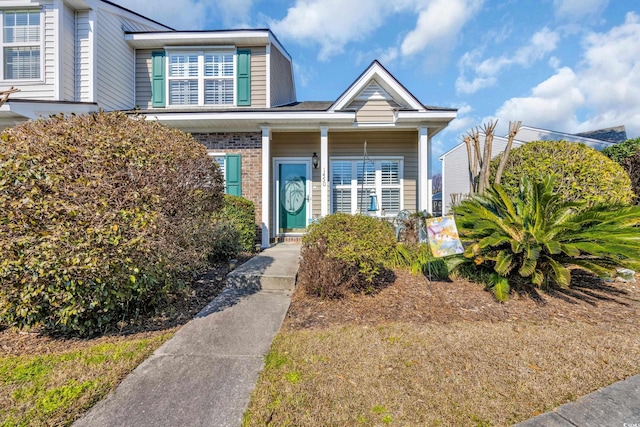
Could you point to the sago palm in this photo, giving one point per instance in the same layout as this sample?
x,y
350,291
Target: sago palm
x,y
537,238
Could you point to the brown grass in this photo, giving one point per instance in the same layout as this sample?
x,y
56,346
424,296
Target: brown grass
x,y
422,354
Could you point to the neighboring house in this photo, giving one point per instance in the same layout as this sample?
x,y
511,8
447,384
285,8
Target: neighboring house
x,y
234,91
455,163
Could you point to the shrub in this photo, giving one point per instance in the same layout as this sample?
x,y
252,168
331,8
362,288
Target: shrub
x,y
418,258
627,154
579,172
101,216
342,252
536,238
226,242
241,213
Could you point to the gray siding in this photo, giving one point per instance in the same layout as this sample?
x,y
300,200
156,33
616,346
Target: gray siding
x,y
114,61
282,85
455,169
68,54
83,73
143,78
44,89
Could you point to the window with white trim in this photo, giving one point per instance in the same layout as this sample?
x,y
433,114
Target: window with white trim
x,y
220,159
353,181
201,78
21,45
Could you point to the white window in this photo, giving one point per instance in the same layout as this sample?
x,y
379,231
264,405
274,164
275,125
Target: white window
x,y
201,78
354,181
21,45
221,161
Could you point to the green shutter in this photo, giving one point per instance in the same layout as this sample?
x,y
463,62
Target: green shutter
x,y
157,79
244,77
233,174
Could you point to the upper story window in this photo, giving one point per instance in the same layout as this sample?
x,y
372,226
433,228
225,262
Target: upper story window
x,y
21,44
201,78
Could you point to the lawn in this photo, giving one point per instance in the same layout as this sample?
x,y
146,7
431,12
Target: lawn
x,y
51,380
445,354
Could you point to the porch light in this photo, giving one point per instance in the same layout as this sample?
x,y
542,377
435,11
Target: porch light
x,y
315,161
373,201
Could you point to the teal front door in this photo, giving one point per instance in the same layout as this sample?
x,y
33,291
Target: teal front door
x,y
292,195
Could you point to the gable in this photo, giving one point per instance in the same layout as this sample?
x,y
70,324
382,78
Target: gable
x,y
377,84
373,104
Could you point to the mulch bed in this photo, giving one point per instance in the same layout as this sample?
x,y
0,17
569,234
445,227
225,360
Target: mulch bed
x,y
411,298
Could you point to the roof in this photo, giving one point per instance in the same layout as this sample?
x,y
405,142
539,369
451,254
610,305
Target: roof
x,y
612,134
389,83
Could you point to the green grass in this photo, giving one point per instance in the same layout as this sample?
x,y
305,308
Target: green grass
x,y
55,389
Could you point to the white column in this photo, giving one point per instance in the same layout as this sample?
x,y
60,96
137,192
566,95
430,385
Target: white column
x,y
424,170
266,168
324,171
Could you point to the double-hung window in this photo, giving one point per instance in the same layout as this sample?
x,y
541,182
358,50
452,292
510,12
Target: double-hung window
x,y
21,45
201,78
354,181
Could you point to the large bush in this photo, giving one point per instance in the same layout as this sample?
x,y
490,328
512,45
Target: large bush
x,y
536,238
100,216
345,252
579,172
241,213
627,154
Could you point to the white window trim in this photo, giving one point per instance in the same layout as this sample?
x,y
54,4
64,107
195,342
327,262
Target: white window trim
x,y
200,51
378,182
224,173
43,17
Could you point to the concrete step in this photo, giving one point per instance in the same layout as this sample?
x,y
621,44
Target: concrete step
x,y
274,268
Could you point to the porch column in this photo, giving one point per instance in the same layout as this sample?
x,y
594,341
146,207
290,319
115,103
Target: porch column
x,y
424,170
324,170
266,168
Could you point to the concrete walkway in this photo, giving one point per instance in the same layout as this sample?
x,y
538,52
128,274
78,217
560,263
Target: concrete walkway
x,y
616,405
204,375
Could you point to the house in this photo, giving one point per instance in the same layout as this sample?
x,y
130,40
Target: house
x,y
234,91
455,163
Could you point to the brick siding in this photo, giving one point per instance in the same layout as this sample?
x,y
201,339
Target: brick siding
x,y
249,146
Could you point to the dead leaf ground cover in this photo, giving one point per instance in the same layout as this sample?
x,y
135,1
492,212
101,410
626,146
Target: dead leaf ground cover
x,y
423,353
52,380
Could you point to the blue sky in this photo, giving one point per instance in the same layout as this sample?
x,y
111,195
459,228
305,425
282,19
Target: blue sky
x,y
564,65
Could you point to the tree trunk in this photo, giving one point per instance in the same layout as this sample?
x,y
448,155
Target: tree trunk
x,y
514,128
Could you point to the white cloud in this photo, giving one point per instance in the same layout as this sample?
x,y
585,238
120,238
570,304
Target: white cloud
x,y
331,23
438,23
485,72
575,10
179,14
235,13
603,91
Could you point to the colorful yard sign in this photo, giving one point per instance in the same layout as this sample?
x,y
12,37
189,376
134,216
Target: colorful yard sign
x,y
443,236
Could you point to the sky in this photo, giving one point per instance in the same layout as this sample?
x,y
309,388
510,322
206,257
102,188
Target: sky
x,y
563,65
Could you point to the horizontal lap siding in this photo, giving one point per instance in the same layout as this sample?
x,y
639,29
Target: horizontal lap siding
x,y
143,79
115,64
380,144
69,55
83,58
44,89
374,111
282,86
258,77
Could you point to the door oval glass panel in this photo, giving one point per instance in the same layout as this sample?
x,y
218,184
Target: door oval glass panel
x,y
293,194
